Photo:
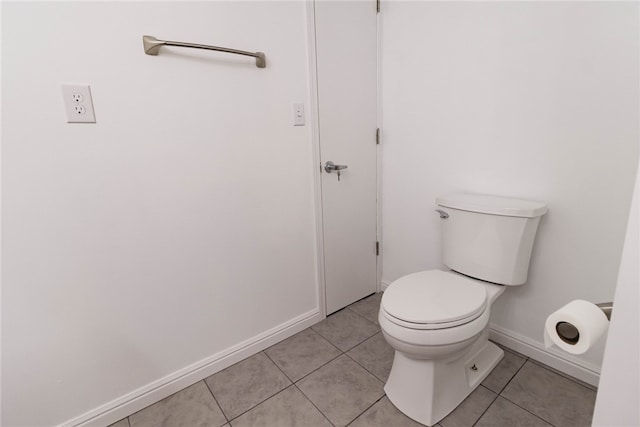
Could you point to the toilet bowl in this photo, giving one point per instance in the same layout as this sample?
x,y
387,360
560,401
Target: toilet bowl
x,y
437,321
442,351
431,314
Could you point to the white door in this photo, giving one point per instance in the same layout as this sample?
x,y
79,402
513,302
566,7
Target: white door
x,y
347,74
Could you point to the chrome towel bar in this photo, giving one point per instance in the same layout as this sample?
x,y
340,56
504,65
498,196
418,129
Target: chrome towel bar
x,y
152,46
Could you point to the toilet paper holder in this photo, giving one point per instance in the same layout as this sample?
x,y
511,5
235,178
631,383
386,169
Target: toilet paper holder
x,y
607,308
569,333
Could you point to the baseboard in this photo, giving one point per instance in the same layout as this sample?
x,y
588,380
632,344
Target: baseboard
x,y
384,284
141,398
587,372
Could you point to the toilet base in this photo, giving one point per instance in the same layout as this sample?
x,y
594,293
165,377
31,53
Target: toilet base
x,y
428,390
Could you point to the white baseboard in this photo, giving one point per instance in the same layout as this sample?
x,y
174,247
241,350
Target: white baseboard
x,y
157,390
563,362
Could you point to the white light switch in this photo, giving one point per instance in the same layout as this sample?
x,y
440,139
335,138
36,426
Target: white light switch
x,y
78,104
298,114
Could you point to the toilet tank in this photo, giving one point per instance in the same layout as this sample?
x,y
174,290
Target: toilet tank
x,y
489,237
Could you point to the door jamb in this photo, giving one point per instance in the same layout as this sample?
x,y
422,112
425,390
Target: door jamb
x,y
379,112
315,155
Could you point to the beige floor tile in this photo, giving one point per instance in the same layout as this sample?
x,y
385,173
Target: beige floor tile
x,y
471,409
384,414
193,406
346,329
550,396
287,408
368,307
302,353
503,373
504,413
247,383
342,390
375,355
122,423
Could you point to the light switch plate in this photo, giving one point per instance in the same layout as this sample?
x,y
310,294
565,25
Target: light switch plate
x,y
298,114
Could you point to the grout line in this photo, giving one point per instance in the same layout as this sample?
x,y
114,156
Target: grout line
x,y
320,335
355,345
367,339
309,373
319,367
214,399
280,369
363,367
366,409
355,312
526,410
314,405
511,378
263,400
259,403
361,342
490,405
507,399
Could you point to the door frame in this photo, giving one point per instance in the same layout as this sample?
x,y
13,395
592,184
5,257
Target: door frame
x,y
314,123
379,4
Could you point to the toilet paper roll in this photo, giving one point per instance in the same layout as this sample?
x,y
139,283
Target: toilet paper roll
x,y
588,319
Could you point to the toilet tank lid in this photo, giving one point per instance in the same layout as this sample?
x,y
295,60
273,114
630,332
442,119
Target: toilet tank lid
x,y
493,205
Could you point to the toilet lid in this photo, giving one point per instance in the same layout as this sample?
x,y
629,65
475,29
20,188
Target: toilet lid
x,y
434,296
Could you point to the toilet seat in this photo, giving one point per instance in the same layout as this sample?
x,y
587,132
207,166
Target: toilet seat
x,y
433,299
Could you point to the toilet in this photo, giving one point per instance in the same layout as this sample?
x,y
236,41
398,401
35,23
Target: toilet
x,y
437,320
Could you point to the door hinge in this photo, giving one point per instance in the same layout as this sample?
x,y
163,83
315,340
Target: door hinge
x,y
377,248
377,6
377,136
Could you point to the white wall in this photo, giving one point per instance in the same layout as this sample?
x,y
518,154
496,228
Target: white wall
x,y
168,232
537,100
619,389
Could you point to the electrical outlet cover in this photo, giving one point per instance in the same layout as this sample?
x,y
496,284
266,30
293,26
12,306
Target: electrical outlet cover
x,y
78,103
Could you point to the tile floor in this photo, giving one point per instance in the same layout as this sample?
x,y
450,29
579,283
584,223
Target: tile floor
x,y
333,374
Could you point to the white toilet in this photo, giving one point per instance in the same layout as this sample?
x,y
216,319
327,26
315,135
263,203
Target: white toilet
x,y
437,321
